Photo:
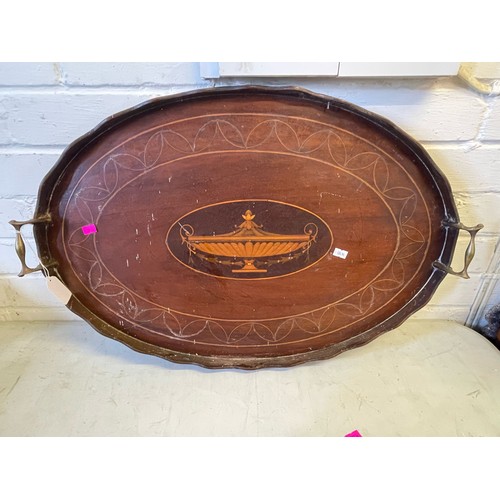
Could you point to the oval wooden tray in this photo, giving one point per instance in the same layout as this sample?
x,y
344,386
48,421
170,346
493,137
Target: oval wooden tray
x,y
246,226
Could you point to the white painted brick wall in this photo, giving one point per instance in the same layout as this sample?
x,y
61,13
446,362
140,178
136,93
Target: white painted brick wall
x,y
45,106
492,122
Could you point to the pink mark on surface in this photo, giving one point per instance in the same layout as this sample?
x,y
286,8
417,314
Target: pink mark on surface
x,y
353,434
89,229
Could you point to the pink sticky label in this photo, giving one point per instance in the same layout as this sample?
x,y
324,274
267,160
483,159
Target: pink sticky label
x,y
89,229
353,434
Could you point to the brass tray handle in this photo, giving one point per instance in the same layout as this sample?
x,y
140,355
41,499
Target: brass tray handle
x,y
21,247
469,252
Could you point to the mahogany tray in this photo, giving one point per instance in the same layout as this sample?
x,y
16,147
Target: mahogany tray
x,y
246,227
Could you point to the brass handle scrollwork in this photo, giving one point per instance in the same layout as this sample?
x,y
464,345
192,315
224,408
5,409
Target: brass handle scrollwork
x,y
21,247
469,252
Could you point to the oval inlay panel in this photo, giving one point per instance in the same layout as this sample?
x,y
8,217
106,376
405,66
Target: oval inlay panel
x,y
251,239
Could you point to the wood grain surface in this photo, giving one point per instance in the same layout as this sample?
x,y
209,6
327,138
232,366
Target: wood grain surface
x,y
246,226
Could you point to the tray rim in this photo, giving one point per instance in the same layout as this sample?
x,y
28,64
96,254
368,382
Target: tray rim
x,y
425,293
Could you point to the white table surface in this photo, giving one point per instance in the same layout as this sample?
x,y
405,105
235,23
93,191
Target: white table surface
x,y
426,378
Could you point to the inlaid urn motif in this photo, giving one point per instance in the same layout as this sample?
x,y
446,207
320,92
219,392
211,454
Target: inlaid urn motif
x,y
250,243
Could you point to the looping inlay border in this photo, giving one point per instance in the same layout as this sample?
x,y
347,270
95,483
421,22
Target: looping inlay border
x,y
270,135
